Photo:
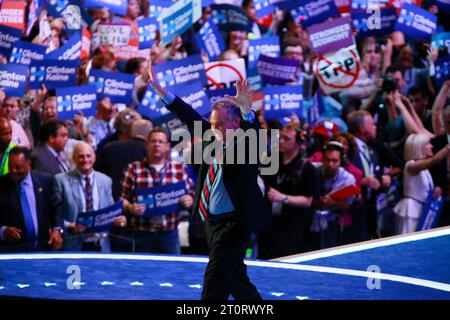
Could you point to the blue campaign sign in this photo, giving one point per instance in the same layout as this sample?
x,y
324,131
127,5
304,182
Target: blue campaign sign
x,y
115,6
369,24
254,79
175,22
218,94
161,200
229,17
53,73
156,7
416,22
25,52
210,40
441,40
8,37
100,220
268,46
431,212
71,50
147,32
443,5
442,70
72,11
181,71
117,86
192,93
314,11
76,100
263,8
282,101
13,79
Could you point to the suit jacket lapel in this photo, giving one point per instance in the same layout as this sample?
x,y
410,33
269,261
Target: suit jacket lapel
x,y
75,185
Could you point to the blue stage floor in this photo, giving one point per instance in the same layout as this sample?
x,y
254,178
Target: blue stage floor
x,y
414,266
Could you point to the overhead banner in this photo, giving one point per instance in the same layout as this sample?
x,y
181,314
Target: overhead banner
x,y
25,52
8,36
178,18
115,6
71,50
337,71
268,46
115,34
12,14
282,101
210,40
117,86
331,35
229,18
100,220
416,22
181,71
13,79
223,74
441,40
76,100
53,73
161,200
147,32
368,25
277,70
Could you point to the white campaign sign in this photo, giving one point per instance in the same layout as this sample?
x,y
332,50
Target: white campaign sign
x,y
339,70
222,74
113,34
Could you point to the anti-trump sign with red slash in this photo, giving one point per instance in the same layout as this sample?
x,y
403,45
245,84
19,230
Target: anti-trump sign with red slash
x,y
338,71
331,35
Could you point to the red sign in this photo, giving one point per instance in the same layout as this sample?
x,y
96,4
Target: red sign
x,y
12,14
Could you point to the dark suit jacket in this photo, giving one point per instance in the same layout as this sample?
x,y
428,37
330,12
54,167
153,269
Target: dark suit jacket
x,y
115,156
375,162
11,211
240,180
45,161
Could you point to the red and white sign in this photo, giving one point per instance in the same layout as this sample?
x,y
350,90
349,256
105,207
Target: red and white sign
x,y
222,74
339,70
85,43
128,52
12,14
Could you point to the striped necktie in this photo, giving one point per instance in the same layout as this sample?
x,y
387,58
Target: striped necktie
x,y
205,196
88,194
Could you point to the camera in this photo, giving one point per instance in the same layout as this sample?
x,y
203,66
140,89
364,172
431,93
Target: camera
x,y
389,84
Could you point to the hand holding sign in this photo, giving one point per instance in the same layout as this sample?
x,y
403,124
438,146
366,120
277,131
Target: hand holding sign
x,y
243,97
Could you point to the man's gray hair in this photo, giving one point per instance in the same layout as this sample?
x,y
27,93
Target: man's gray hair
x,y
355,119
141,128
231,108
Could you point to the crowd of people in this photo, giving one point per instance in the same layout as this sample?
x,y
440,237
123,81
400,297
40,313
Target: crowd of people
x,y
388,136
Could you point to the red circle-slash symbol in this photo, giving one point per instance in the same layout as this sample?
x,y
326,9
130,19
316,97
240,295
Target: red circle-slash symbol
x,y
353,75
218,85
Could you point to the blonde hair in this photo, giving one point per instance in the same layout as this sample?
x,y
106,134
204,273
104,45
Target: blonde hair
x,y
414,146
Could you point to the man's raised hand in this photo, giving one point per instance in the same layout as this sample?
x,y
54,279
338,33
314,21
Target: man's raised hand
x,y
243,97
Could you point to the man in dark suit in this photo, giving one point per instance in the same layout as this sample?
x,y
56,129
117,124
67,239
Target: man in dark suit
x,y
227,196
49,157
441,171
27,219
362,125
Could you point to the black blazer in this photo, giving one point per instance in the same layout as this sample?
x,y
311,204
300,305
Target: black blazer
x,y
240,180
375,162
11,211
439,171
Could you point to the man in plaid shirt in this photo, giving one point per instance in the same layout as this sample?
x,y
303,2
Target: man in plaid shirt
x,y
157,234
